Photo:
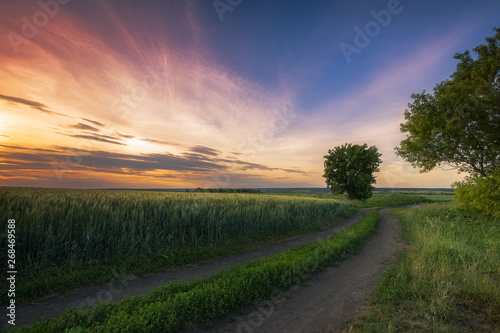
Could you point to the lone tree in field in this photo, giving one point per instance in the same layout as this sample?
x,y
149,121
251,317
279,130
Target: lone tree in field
x,y
349,168
459,126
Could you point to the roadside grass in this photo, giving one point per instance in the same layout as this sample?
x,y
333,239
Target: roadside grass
x,y
448,280
338,197
395,200
36,285
439,197
201,302
75,238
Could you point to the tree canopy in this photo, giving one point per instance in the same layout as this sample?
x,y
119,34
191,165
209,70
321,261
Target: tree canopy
x,y
349,168
459,124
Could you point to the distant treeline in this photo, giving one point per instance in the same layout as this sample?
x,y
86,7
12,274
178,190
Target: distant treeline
x,y
297,190
225,190
421,191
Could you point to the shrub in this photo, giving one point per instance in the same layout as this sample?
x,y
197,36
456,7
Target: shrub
x,y
480,194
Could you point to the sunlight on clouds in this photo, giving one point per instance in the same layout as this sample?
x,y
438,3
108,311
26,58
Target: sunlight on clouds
x,y
136,145
138,105
402,174
168,98
164,98
3,125
372,115
23,125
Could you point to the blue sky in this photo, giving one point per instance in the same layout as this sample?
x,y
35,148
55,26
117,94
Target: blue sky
x,y
205,93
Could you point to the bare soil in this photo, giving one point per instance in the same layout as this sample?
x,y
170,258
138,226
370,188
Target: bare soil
x,y
328,301
126,285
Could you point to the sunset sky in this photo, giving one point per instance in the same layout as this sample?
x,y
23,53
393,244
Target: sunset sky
x,y
230,93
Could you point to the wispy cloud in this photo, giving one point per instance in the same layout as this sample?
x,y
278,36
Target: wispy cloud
x,y
94,122
96,137
125,136
205,150
168,143
118,163
33,104
84,127
161,92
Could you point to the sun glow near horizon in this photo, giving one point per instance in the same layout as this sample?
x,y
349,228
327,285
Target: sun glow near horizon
x,y
122,94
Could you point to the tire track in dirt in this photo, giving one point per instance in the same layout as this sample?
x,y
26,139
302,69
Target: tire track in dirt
x,y
27,314
329,299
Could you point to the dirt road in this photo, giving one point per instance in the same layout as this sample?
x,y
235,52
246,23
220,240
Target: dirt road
x,y
330,299
29,313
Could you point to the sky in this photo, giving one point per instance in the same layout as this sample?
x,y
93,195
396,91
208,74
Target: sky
x,y
224,93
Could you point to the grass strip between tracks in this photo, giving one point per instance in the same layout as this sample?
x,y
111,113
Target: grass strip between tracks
x,y
201,302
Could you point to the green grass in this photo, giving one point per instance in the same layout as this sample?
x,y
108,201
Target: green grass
x,y
69,225
396,199
37,285
201,302
391,199
68,239
74,238
439,197
447,281
337,197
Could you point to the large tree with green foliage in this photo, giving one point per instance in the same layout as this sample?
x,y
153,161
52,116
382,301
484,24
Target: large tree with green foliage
x,y
349,168
459,124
